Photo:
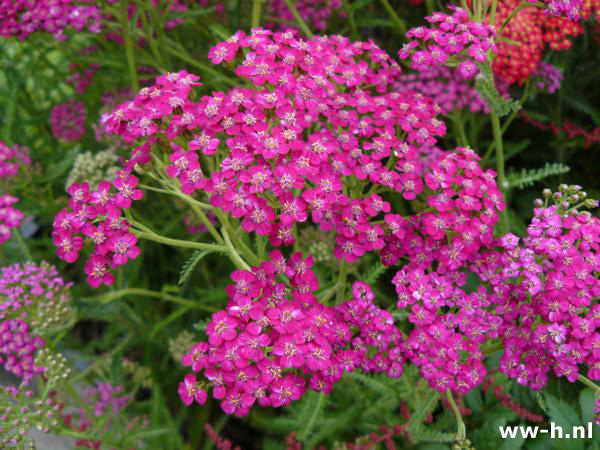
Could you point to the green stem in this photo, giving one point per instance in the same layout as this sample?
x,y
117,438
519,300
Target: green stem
x,y
178,242
112,296
100,359
299,20
500,169
22,245
509,120
256,5
129,47
399,23
460,130
461,433
350,15
589,383
341,282
236,258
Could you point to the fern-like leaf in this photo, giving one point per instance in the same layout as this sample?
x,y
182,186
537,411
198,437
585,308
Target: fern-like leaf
x,y
190,265
486,87
374,273
528,177
429,435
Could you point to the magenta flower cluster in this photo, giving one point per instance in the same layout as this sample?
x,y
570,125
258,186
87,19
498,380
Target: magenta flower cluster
x,y
104,398
20,18
18,347
315,13
276,159
570,9
451,38
23,288
545,290
450,327
450,89
274,334
24,285
548,77
11,158
98,215
463,202
67,120
10,217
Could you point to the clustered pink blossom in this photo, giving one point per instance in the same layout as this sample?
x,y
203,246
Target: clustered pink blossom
x,y
22,285
548,77
453,38
104,398
18,347
20,18
67,120
570,9
98,215
9,217
21,288
274,334
11,158
450,89
462,208
315,13
321,110
80,80
450,327
544,291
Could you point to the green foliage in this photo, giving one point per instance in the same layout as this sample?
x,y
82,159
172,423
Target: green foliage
x,y
486,87
189,266
527,177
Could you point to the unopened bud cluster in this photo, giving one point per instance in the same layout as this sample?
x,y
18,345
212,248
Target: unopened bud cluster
x,y
21,410
93,168
140,375
568,200
181,344
55,367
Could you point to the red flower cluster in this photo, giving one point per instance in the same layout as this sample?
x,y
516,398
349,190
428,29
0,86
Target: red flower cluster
x,y
533,30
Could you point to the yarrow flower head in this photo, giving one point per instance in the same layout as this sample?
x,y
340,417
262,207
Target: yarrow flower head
x,y
463,202
548,77
280,163
22,17
11,158
544,290
451,38
272,336
34,301
315,13
97,215
10,217
67,120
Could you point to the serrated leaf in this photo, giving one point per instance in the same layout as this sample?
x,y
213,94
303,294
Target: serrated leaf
x,y
374,273
190,264
429,435
527,177
486,87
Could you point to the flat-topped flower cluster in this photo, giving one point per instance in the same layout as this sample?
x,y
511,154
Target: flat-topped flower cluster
x,y
274,334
